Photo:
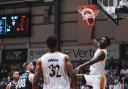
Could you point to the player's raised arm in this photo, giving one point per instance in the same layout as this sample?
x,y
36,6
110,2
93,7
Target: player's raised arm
x,y
90,62
71,72
38,75
92,37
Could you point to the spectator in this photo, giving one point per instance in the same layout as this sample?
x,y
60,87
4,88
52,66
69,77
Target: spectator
x,y
110,77
124,70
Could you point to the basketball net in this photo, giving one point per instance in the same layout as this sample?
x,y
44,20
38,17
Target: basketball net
x,y
89,14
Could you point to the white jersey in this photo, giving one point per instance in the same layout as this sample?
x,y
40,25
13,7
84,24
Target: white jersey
x,y
99,67
54,72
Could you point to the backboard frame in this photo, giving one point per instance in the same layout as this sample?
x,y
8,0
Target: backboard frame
x,y
99,5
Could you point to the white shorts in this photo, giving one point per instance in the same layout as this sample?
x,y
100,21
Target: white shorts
x,y
96,81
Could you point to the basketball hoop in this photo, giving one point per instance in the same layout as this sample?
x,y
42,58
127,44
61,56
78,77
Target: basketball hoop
x,y
88,13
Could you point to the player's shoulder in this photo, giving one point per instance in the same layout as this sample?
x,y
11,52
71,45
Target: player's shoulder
x,y
102,50
9,84
43,56
66,56
31,75
63,54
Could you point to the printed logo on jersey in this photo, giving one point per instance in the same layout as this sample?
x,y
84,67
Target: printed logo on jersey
x,y
53,60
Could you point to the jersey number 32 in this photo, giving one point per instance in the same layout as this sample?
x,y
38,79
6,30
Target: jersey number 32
x,y
54,70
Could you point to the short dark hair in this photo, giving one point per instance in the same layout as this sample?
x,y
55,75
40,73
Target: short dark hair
x,y
52,41
108,40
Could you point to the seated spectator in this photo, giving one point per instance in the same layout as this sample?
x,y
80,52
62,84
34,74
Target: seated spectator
x,y
124,70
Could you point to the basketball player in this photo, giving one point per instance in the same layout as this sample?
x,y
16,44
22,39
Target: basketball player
x,y
26,79
96,78
14,82
55,68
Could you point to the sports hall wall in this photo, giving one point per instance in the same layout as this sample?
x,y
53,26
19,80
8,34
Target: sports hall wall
x,y
74,35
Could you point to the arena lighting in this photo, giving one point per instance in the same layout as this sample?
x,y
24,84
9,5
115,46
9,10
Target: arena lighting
x,y
48,0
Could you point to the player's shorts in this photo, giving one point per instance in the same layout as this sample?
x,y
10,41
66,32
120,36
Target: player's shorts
x,y
96,81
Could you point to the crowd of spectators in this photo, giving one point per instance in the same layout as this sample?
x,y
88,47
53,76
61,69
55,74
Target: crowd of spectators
x,y
116,78
6,72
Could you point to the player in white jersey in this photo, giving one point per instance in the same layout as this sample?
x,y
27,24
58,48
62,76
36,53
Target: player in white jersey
x,y
96,77
55,69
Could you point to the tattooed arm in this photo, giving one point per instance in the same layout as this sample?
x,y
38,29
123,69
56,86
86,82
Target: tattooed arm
x,y
38,75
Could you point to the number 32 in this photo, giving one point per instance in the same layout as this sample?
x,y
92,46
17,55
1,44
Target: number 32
x,y
54,70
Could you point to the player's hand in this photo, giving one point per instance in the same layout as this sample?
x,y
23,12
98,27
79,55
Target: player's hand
x,y
77,70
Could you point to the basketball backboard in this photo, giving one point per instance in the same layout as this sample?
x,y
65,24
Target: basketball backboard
x,y
113,9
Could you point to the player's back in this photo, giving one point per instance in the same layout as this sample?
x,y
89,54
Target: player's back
x,y
54,72
24,82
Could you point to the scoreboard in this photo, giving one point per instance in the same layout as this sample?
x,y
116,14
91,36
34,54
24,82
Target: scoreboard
x,y
14,26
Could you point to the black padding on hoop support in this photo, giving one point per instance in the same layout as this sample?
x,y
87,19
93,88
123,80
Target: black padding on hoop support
x,y
121,10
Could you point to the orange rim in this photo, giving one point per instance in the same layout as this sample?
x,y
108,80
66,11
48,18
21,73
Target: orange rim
x,y
92,7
